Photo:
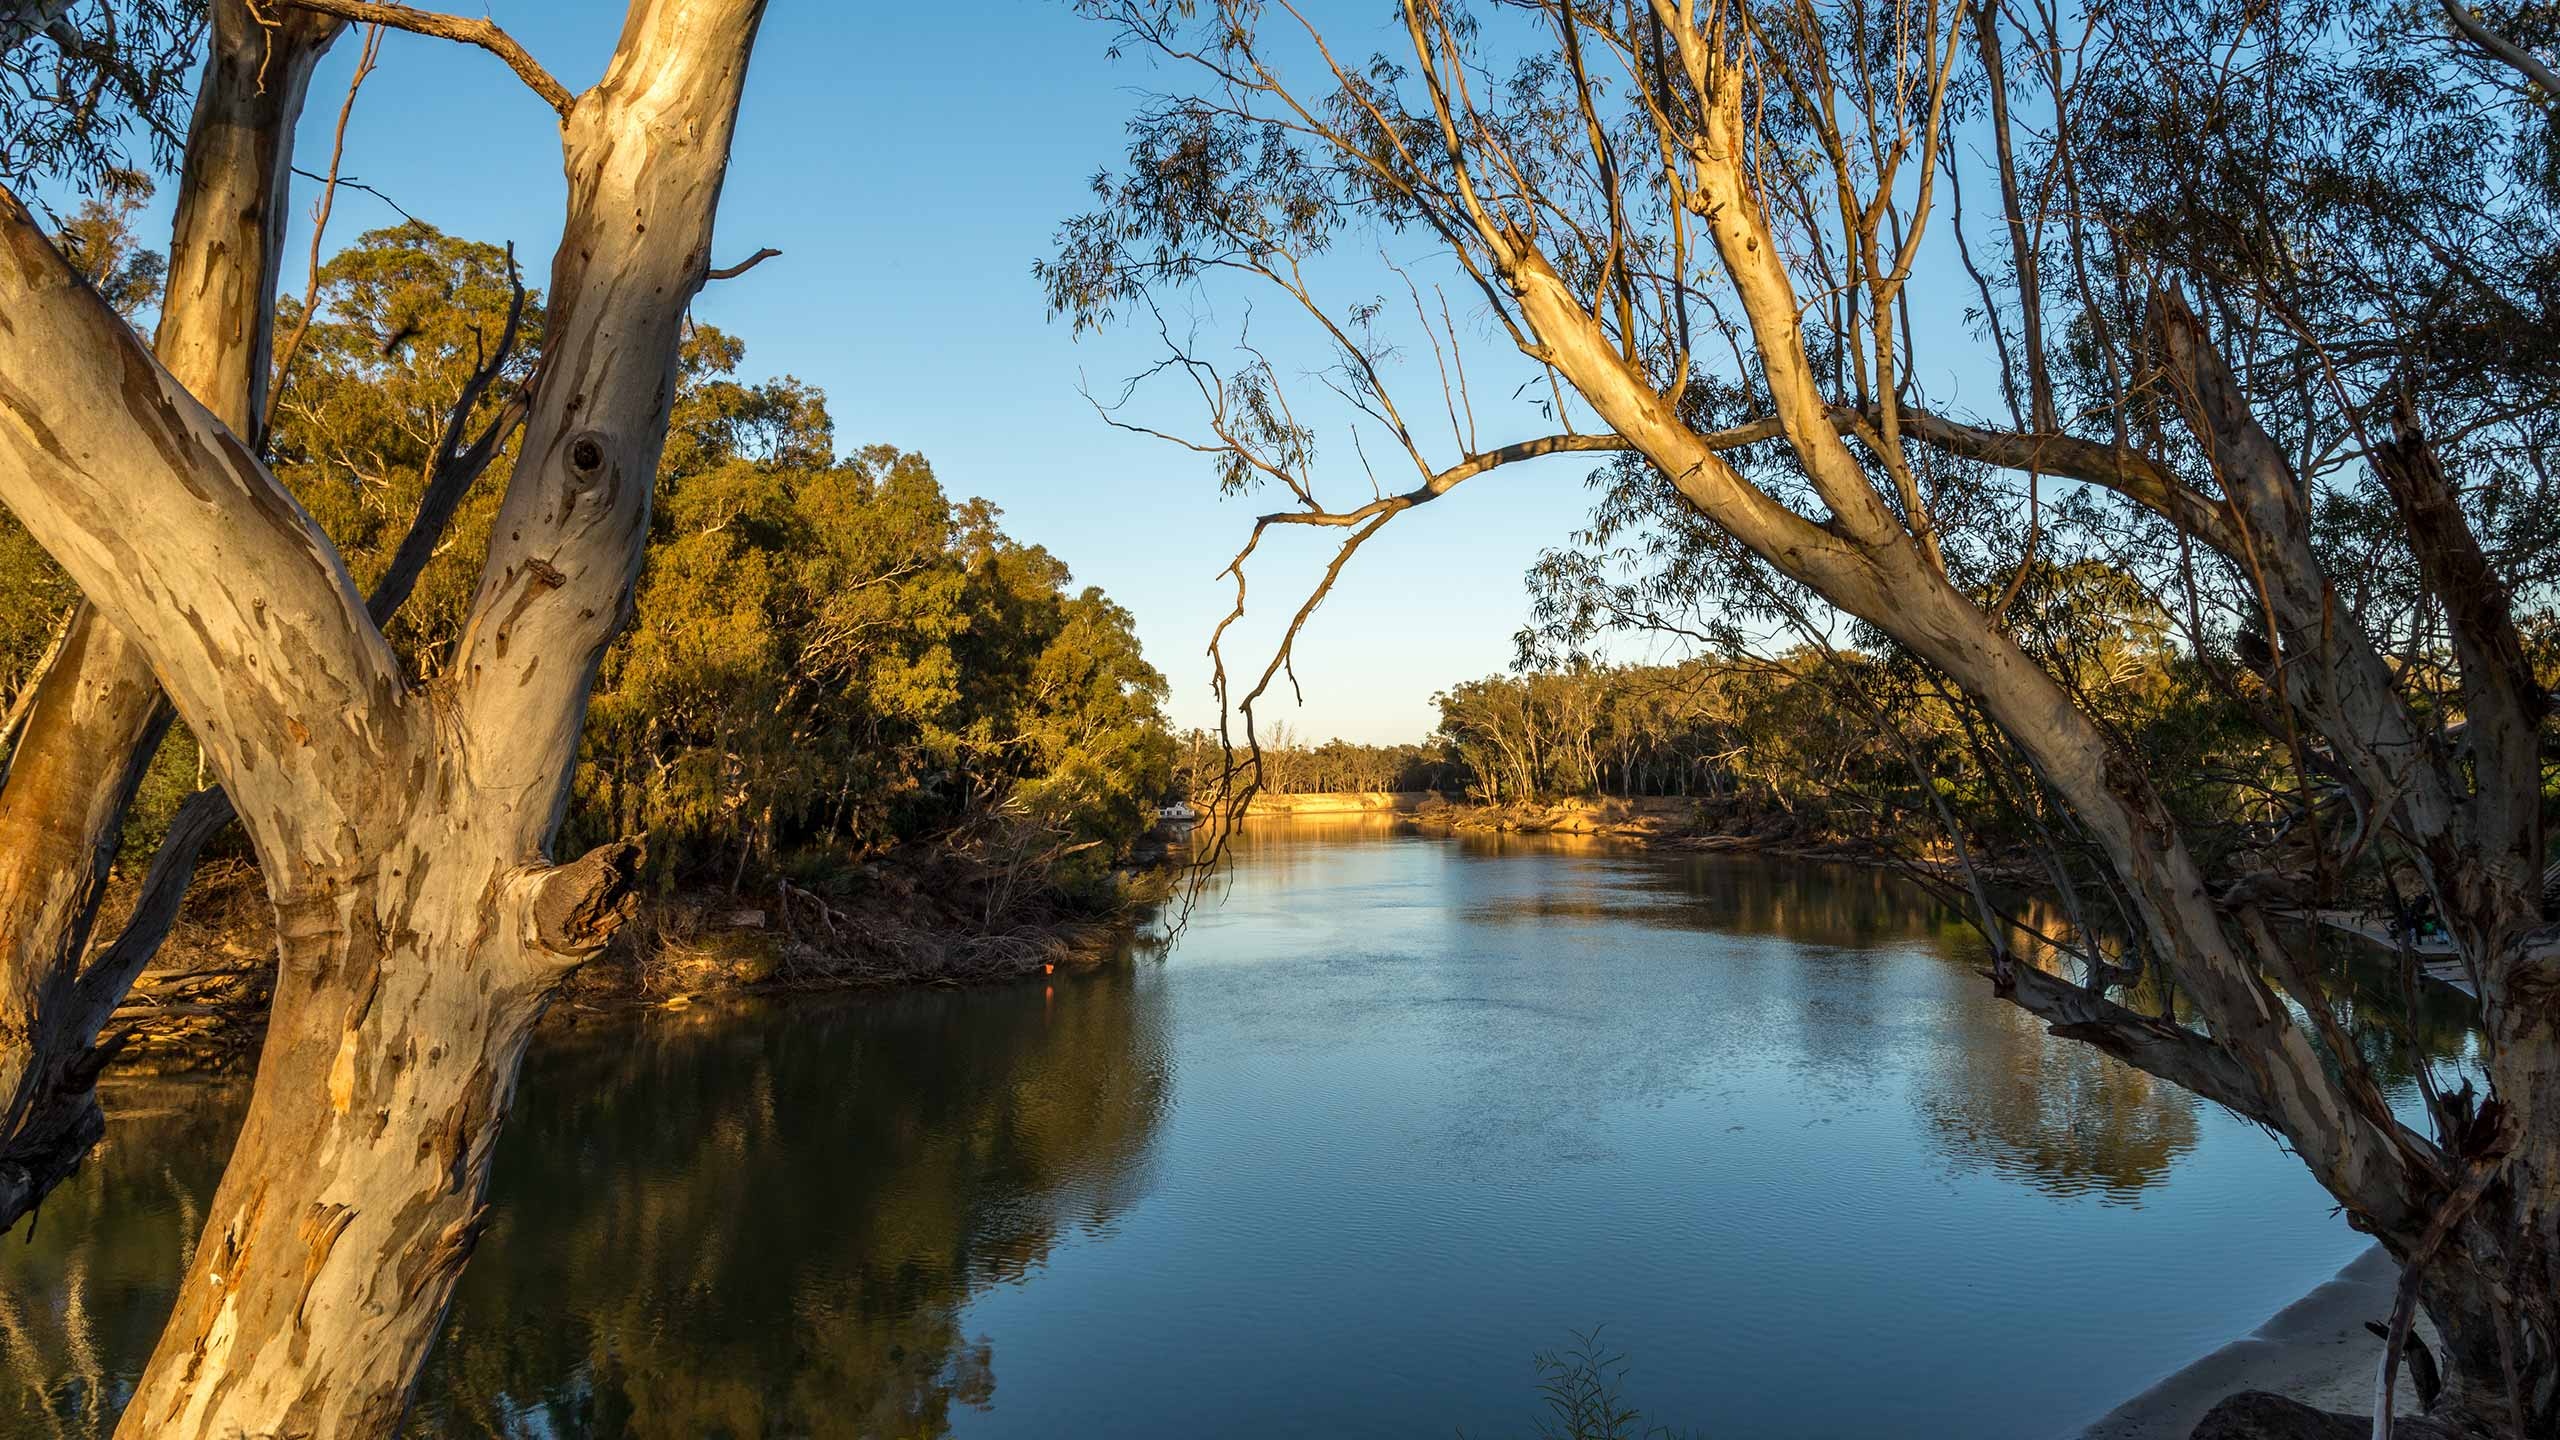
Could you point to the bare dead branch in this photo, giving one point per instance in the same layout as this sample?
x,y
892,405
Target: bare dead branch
x,y
483,33
452,467
320,211
732,272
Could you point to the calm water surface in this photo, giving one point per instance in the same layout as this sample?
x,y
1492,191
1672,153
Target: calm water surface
x,y
1394,1114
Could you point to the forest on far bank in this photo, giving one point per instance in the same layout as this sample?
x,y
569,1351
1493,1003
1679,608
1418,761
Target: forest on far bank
x,y
829,656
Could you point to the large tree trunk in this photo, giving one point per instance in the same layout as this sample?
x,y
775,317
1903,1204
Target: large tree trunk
x,y
2494,1291
2494,1287
353,1196
97,714
403,834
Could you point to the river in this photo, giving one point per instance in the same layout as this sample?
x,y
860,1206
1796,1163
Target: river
x,y
1391,1115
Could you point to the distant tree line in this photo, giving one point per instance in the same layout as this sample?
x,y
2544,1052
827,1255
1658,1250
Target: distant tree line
x,y
1804,733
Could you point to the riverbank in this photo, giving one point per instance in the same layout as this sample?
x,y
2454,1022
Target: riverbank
x,y
915,918
1671,821
2315,1350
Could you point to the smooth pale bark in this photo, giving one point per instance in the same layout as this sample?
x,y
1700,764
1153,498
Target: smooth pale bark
x,y
96,715
403,834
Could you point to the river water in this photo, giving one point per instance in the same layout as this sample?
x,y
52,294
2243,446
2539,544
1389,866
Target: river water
x,y
1393,1114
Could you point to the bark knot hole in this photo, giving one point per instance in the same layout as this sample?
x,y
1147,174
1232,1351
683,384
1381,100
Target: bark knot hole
x,y
586,457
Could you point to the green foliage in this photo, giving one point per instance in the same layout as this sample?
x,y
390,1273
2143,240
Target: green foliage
x,y
1289,766
99,242
398,324
35,597
835,653
827,656
104,73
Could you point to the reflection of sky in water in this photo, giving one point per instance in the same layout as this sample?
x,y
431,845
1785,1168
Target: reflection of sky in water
x,y
1394,1114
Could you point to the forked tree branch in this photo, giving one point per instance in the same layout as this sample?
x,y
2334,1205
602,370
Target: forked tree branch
x,y
453,470
483,33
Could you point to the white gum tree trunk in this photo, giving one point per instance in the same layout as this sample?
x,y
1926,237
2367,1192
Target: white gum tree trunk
x,y
404,833
97,714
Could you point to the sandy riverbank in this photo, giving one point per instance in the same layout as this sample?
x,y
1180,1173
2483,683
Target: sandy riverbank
x,y
2315,1350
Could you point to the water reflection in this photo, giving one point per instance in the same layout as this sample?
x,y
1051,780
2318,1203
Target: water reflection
x,y
704,1227
83,1297
1995,1093
1441,1100
2008,1099
771,1229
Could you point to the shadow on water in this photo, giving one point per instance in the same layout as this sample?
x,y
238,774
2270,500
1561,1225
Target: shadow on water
x,y
705,1225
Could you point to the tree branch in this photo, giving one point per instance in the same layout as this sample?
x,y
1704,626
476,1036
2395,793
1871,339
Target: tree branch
x,y
483,33
565,552
732,272
454,468
2155,1047
2502,48
2129,473
2500,696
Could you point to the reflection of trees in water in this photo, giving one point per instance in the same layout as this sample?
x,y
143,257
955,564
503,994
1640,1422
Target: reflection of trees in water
x,y
82,1301
1811,903
2071,1121
1805,902
2393,1020
771,1228
2062,1118
707,1224
1994,1090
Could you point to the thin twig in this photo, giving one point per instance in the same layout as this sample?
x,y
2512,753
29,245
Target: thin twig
x,y
320,210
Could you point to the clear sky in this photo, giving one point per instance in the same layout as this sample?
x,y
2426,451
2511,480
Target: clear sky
x,y
911,161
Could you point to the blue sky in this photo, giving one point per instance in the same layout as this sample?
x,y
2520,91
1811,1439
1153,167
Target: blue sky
x,y
911,162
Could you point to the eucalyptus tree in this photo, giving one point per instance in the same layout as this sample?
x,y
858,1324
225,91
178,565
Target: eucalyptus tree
x,y
2251,267
88,721
94,715
403,829
77,77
